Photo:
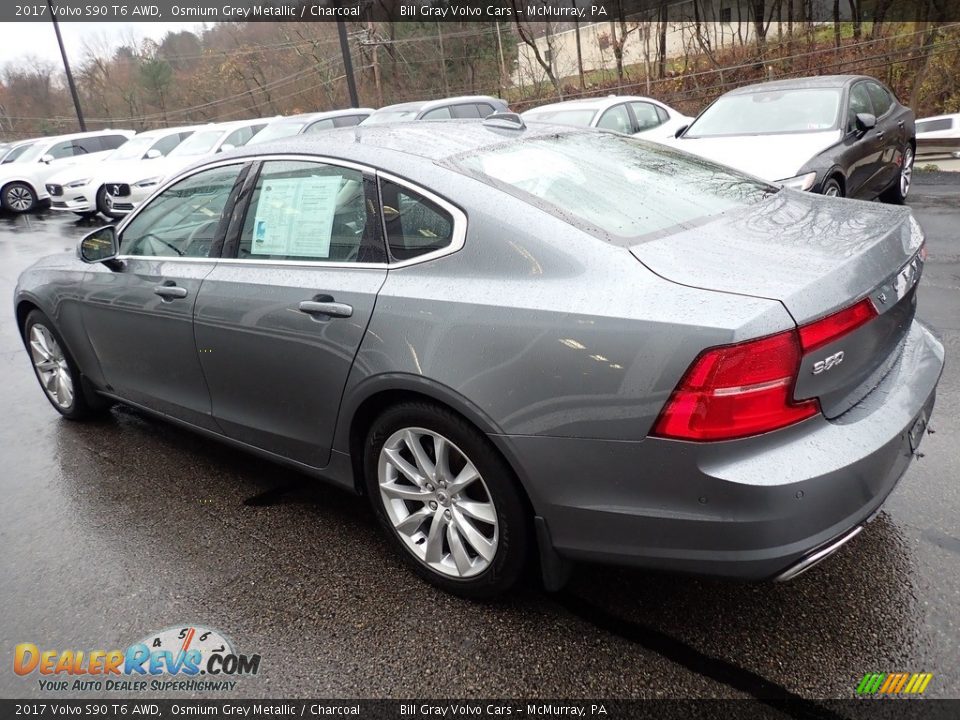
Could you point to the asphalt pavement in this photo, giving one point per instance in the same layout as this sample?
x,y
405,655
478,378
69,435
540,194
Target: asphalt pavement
x,y
117,528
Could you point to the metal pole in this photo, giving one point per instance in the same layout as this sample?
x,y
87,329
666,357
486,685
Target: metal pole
x,y
66,67
347,64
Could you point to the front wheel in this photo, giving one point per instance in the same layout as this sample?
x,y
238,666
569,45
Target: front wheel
x,y
55,369
448,500
831,188
105,204
18,197
897,193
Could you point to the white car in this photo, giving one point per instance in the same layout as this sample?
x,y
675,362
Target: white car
x,y
939,135
131,185
80,188
309,123
22,182
631,115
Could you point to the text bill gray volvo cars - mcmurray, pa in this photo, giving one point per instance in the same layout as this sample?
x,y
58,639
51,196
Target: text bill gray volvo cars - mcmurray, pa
x,y
516,338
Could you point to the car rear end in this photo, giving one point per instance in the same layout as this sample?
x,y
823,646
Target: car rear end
x,y
770,451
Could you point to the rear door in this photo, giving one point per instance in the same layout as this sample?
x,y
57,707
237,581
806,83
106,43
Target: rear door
x,y
139,316
280,319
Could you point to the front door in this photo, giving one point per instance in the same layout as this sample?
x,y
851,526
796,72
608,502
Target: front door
x,y
279,322
863,148
139,315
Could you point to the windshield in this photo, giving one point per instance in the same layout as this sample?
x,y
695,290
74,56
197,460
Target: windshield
x,y
11,154
275,131
133,149
768,112
34,152
387,116
615,186
199,143
580,118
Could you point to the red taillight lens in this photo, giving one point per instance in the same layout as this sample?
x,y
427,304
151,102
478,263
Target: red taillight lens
x,y
832,327
737,390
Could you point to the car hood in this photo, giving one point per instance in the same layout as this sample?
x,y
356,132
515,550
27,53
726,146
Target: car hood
x,y
813,254
771,157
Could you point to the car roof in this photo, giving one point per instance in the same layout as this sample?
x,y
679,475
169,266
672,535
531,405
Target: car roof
x,y
307,117
81,135
394,146
444,102
819,81
156,132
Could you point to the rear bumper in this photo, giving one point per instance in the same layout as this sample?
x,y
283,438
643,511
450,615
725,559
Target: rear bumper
x,y
751,508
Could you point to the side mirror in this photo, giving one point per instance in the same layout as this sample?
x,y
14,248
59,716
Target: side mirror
x,y
865,121
680,130
99,246
48,158
226,147
153,154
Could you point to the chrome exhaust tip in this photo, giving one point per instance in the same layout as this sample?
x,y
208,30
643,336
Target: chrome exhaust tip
x,y
817,556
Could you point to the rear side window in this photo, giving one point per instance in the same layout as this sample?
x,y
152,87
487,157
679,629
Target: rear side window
x,y
111,142
485,109
414,224
880,97
662,114
89,145
65,149
442,113
308,211
319,126
934,125
467,111
348,120
166,144
616,118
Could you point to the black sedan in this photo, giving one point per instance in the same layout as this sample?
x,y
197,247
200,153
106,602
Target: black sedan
x,y
840,135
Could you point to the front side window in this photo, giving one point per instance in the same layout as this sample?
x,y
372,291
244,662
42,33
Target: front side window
x,y
618,188
112,142
880,97
308,211
241,136
319,126
859,103
182,220
415,225
165,144
616,118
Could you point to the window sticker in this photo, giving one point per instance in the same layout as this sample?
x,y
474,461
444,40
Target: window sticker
x,y
294,216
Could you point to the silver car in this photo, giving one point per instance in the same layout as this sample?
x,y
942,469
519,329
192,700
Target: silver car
x,y
517,343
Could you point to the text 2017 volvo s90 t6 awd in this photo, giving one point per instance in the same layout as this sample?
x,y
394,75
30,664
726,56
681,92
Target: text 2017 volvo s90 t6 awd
x,y
517,342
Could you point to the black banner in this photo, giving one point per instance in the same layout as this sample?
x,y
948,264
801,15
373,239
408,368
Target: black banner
x,y
584,11
864,709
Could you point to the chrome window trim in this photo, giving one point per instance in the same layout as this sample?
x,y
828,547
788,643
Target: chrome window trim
x,y
459,236
457,240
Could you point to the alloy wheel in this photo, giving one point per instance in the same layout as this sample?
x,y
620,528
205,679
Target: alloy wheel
x,y
19,198
52,368
906,172
437,502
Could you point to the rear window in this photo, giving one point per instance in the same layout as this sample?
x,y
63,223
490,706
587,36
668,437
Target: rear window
x,y
613,186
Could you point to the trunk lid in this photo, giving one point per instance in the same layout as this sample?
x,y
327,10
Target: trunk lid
x,y
816,256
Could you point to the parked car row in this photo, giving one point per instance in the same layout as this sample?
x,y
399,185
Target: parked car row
x,y
843,136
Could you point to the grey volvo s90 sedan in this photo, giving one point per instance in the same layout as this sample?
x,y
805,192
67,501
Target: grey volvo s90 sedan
x,y
518,342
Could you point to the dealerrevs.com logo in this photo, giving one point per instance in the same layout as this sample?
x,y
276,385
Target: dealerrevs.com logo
x,y
190,658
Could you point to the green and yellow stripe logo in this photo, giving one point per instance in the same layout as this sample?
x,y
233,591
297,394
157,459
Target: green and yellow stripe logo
x,y
894,683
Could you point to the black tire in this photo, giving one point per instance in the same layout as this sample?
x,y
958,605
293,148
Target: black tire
x,y
832,187
896,194
81,408
102,206
513,546
18,197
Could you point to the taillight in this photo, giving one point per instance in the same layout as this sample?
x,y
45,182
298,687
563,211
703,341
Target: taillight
x,y
826,330
737,390
734,391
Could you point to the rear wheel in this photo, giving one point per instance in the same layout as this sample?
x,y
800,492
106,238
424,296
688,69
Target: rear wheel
x,y
56,370
18,197
832,188
897,193
449,502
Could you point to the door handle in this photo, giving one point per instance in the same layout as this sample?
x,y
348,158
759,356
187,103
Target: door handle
x,y
880,136
330,309
170,292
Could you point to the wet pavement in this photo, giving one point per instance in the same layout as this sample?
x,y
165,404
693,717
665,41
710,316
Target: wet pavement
x,y
113,529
